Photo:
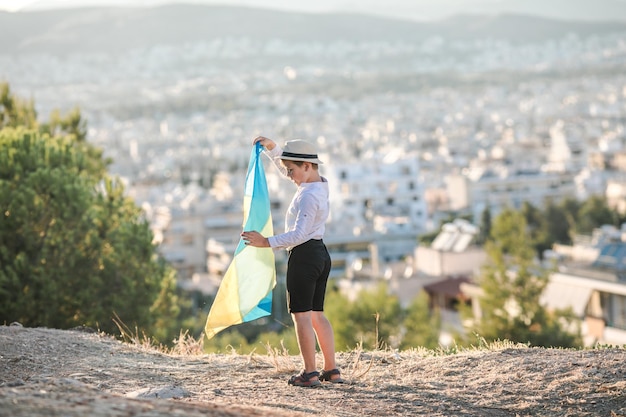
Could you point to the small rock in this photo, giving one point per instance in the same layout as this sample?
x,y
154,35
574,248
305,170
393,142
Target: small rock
x,y
16,383
163,392
84,329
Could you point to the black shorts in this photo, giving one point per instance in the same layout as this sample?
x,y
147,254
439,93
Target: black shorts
x,y
308,268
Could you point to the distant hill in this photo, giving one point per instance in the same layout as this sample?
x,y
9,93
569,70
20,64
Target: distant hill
x,y
421,10
118,29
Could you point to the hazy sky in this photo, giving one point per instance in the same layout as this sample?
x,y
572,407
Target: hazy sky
x,y
413,9
318,5
410,9
279,4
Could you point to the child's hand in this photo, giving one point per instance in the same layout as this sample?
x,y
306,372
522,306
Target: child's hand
x,y
268,144
255,239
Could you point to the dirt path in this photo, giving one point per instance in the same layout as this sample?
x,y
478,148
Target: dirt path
x,y
46,372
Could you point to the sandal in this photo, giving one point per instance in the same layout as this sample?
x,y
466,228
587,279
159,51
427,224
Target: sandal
x,y
304,380
326,376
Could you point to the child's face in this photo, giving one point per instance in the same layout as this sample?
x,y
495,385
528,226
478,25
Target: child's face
x,y
297,174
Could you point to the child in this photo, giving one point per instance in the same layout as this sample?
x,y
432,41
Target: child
x,y
308,266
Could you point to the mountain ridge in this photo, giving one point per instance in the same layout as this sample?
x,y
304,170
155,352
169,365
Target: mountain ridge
x,y
423,10
102,29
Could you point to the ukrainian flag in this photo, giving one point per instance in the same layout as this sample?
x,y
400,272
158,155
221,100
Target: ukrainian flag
x,y
245,293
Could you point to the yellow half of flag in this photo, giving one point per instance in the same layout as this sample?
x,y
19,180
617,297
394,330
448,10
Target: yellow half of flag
x,y
245,293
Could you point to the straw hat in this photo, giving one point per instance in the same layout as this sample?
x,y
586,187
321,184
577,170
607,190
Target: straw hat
x,y
300,150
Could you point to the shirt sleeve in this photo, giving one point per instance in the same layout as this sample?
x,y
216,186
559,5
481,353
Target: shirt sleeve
x,y
274,155
304,225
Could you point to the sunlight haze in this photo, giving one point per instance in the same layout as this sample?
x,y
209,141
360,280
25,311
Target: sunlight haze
x,y
407,9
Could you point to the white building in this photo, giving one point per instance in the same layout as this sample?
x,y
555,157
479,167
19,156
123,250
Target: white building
x,y
452,253
496,189
381,198
591,281
596,297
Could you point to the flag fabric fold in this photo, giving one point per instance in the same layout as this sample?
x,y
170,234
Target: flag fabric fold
x,y
245,293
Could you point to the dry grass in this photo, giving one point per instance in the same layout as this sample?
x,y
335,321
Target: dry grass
x,y
280,358
187,345
52,372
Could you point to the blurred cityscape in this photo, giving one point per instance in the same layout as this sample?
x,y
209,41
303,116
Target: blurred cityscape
x,y
411,131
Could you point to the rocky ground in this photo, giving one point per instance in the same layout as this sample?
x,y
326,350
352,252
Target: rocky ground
x,y
47,372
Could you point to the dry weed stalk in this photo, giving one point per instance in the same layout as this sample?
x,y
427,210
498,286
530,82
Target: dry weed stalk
x,y
184,345
280,357
377,342
356,364
128,336
253,358
187,345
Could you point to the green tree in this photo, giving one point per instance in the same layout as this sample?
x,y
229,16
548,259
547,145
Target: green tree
x,y
536,228
593,213
228,340
421,325
512,284
373,319
15,112
485,226
72,124
558,223
73,250
570,207
285,340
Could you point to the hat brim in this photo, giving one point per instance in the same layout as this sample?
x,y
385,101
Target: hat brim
x,y
295,158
